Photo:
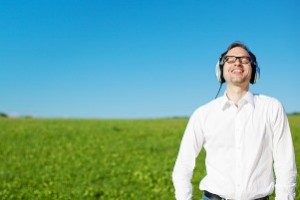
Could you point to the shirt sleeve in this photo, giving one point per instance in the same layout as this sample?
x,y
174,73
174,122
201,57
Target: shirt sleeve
x,y
283,154
190,147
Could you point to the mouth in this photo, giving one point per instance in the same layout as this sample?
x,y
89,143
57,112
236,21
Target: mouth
x,y
237,71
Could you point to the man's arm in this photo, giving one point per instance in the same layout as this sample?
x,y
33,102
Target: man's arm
x,y
190,147
283,154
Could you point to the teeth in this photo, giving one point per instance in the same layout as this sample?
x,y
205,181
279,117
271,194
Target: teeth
x,y
237,70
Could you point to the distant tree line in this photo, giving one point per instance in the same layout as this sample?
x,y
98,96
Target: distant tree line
x,y
294,113
3,115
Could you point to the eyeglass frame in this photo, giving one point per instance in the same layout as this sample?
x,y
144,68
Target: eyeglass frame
x,y
249,60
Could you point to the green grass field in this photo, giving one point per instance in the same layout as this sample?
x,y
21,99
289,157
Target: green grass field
x,y
96,159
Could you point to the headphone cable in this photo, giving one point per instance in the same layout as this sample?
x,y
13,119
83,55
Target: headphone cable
x,y
219,90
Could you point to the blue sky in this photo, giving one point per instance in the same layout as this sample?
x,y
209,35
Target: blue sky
x,y
138,59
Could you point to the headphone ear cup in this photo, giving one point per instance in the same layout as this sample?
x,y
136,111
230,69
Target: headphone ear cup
x,y
218,72
256,75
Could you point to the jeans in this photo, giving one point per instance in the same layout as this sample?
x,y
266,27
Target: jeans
x,y
213,198
207,198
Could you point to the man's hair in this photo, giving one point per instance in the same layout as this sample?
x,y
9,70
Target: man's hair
x,y
239,44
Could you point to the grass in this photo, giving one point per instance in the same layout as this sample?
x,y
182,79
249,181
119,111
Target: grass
x,y
95,159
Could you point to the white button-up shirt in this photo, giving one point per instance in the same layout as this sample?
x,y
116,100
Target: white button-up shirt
x,y
241,144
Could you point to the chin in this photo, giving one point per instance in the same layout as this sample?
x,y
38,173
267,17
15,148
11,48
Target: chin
x,y
240,82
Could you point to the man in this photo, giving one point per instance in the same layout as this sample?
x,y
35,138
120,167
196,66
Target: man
x,y
244,135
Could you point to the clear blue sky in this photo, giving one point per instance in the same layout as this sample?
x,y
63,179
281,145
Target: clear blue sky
x,y
133,58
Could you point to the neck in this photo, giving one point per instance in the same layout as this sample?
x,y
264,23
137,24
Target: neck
x,y
235,93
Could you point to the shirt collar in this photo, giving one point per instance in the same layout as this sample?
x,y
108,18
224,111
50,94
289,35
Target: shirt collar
x,y
247,98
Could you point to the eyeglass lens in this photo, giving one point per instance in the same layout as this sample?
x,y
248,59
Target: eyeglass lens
x,y
232,59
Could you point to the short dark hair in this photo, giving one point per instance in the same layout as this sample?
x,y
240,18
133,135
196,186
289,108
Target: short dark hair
x,y
242,45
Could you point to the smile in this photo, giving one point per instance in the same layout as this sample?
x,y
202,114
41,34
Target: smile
x,y
237,71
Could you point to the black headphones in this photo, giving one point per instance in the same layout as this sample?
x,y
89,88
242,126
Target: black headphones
x,y
255,68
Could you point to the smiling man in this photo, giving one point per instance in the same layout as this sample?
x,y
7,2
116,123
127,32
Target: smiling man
x,y
245,137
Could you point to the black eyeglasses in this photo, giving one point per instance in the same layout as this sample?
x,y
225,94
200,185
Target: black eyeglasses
x,y
242,59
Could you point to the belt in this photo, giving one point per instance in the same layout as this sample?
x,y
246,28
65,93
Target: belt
x,y
212,196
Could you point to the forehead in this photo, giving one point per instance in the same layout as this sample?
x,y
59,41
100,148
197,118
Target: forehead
x,y
237,51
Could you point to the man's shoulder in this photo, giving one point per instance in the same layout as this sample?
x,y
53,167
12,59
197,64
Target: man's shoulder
x,y
265,98
272,104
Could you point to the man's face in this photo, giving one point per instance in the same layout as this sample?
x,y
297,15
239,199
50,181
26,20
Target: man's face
x,y
237,67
